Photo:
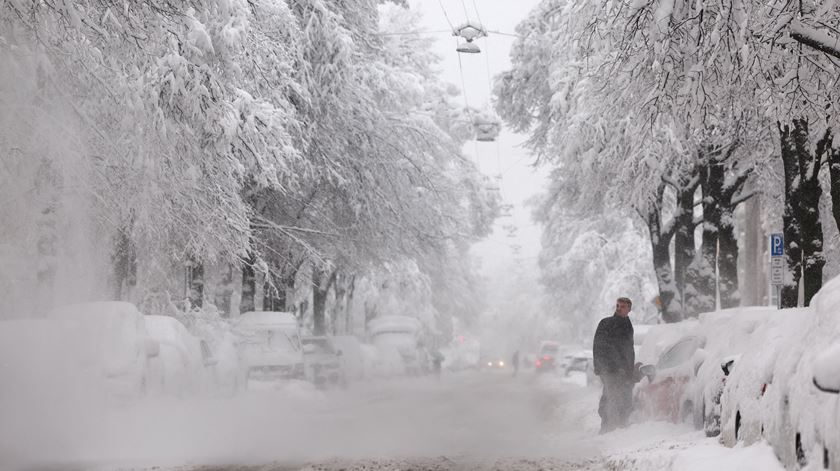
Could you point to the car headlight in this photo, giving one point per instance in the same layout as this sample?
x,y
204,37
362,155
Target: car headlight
x,y
501,363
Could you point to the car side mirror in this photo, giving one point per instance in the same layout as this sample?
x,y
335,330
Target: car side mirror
x,y
152,348
827,370
649,371
309,348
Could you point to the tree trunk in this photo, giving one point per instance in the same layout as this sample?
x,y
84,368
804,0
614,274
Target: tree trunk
x,y
348,307
660,241
813,258
274,294
790,218
321,283
195,283
834,173
728,261
249,286
712,187
684,247
124,261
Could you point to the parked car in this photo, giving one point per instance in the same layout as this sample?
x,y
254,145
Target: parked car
x,y
108,343
661,395
548,355
352,356
397,338
269,346
184,365
726,333
579,364
754,389
323,362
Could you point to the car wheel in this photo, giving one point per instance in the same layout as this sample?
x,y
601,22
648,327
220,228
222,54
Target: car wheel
x,y
800,451
737,425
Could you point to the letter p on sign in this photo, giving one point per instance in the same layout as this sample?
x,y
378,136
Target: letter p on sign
x,y
777,245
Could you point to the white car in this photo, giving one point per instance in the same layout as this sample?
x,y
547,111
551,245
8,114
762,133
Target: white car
x,y
397,337
352,356
108,344
726,336
323,362
181,368
269,346
750,399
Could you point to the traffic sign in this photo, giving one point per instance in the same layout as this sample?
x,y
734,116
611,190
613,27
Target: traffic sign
x,y
777,275
777,245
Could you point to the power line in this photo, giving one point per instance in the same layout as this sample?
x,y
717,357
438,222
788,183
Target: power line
x,y
440,31
451,27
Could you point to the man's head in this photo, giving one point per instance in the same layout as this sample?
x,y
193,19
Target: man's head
x,y
623,306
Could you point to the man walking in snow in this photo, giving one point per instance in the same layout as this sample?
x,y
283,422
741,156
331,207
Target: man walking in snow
x,y
614,361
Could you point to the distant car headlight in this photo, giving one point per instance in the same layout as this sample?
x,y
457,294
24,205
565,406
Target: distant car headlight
x,y
501,363
489,363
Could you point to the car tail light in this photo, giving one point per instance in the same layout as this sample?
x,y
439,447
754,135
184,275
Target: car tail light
x,y
546,357
539,363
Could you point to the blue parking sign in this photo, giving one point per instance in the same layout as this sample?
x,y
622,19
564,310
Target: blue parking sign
x,y
777,245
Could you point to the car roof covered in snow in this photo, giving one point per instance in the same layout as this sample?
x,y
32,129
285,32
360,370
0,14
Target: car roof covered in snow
x,y
393,324
166,329
266,319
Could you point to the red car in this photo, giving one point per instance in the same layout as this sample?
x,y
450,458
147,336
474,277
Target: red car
x,y
661,395
547,356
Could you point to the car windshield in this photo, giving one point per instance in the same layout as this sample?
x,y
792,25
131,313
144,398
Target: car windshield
x,y
550,350
678,354
273,339
321,345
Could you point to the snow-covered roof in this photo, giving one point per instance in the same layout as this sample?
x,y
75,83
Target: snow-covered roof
x,y
393,324
267,318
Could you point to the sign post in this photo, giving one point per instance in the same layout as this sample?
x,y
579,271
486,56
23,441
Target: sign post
x,y
777,265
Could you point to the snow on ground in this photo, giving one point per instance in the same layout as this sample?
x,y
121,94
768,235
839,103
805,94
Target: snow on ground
x,y
474,421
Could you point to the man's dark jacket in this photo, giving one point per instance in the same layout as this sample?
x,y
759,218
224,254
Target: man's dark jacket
x,y
612,349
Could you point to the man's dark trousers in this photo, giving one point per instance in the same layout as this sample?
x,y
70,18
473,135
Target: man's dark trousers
x,y
616,401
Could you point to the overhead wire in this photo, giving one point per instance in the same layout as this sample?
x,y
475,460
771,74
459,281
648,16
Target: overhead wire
x,y
451,26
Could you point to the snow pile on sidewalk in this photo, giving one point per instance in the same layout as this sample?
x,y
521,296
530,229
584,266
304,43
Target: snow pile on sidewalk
x,y
669,447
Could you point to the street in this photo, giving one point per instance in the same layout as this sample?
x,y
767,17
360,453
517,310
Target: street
x,y
470,420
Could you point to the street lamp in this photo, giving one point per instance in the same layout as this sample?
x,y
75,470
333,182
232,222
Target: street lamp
x,y
469,32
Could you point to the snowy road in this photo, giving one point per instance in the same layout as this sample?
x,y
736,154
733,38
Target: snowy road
x,y
466,421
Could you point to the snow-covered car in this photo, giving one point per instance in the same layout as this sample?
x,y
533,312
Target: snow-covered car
x,y
107,341
269,347
323,362
726,333
661,395
352,356
827,381
579,364
397,338
754,396
802,421
184,364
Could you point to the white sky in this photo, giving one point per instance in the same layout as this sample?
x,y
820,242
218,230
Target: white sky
x,y
506,156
